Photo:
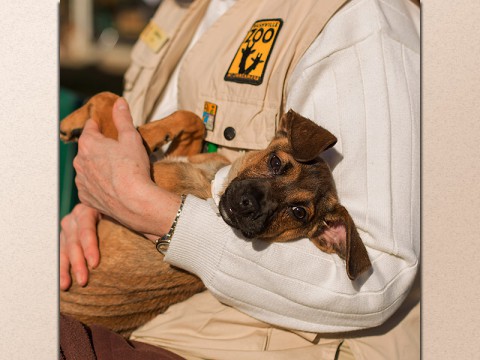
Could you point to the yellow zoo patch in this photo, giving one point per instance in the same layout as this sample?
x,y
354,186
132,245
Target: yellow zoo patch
x,y
250,61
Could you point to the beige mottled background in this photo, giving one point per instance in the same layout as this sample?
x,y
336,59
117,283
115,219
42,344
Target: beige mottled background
x,y
28,179
451,179
29,185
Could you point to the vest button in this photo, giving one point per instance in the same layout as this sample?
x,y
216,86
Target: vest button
x,y
229,133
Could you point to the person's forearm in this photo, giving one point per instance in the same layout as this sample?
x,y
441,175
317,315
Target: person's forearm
x,y
290,285
152,212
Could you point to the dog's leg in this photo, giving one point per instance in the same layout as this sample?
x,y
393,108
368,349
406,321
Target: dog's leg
x,y
99,109
191,176
183,128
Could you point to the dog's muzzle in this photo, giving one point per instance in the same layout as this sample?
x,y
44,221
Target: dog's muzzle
x,y
247,205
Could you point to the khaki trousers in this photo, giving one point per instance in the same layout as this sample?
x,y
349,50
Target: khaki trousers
x,y
203,328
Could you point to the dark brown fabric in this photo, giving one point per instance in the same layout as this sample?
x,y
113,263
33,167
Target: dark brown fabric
x,y
77,341
74,340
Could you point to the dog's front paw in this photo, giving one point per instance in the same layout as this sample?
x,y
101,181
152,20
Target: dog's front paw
x,y
98,108
71,127
69,135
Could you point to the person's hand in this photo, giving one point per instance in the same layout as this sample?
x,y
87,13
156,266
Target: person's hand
x,y
113,176
78,242
110,172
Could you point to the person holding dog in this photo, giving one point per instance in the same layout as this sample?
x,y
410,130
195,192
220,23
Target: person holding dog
x,y
352,67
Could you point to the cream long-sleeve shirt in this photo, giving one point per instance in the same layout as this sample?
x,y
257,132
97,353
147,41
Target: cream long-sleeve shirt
x,y
361,80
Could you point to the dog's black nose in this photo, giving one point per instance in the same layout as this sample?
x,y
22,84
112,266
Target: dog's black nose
x,y
248,204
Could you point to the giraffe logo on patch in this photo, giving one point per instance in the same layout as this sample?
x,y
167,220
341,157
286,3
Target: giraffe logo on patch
x,y
251,59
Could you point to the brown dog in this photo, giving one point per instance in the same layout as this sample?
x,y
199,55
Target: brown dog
x,y
282,193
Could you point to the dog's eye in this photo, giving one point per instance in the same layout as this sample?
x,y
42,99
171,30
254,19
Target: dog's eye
x,y
275,164
299,212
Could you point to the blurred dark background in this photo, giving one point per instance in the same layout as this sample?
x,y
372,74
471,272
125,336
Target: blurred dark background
x,y
95,40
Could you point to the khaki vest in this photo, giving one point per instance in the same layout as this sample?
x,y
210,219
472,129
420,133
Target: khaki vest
x,y
154,64
258,43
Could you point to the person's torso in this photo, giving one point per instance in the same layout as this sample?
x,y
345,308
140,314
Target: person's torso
x,y
235,74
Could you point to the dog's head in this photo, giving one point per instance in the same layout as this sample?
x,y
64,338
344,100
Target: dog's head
x,y
287,192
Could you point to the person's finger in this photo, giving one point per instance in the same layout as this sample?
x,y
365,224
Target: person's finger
x,y
90,136
123,120
85,234
65,279
78,264
88,238
91,126
68,230
70,246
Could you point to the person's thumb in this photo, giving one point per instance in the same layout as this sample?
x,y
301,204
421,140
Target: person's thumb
x,y
122,118
91,126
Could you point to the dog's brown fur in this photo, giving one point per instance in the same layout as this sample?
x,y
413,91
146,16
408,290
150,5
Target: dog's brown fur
x,y
132,283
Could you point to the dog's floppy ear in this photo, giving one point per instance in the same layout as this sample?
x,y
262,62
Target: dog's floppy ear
x,y
339,235
306,138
